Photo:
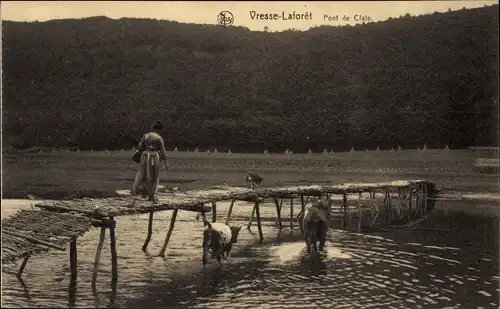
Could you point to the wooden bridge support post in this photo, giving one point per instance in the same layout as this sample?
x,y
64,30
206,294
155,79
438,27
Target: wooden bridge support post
x,y
416,210
373,207
303,210
112,243
214,212
344,207
417,200
150,232
410,206
73,260
302,206
230,211
387,204
408,201
259,223
23,265
399,207
360,210
249,225
402,201
426,192
278,212
169,233
423,198
98,255
291,213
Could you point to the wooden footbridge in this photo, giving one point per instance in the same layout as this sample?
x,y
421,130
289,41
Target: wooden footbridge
x,y
58,223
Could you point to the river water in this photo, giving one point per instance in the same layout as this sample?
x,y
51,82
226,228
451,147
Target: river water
x,y
450,260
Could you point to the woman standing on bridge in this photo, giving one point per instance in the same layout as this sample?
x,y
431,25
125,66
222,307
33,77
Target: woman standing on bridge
x,y
152,150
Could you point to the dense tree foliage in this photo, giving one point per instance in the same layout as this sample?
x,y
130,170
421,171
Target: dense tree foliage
x,y
406,81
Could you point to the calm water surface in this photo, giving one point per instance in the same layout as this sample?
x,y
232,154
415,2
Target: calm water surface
x,y
448,261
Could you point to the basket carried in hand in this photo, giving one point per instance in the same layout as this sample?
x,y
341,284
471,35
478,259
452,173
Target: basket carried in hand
x,y
136,157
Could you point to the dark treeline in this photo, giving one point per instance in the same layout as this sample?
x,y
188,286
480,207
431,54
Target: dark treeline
x,y
407,81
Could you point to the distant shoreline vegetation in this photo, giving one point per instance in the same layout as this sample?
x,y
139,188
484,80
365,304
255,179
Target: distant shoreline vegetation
x,y
409,81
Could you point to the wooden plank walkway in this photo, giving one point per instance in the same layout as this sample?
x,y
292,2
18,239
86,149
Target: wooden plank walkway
x,y
195,200
129,205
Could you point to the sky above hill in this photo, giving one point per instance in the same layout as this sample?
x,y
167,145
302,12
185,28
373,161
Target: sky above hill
x,y
285,15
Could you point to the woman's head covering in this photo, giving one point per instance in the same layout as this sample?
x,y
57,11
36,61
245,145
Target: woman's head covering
x,y
157,125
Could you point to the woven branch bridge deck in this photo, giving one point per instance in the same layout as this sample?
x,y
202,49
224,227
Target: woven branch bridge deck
x,y
30,232
195,200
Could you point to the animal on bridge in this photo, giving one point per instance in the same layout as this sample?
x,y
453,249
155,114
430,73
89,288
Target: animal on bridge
x,y
314,225
253,180
219,239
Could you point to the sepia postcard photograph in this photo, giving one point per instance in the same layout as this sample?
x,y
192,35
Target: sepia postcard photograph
x,y
250,154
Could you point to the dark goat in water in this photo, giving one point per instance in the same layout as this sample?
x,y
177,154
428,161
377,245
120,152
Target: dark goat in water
x,y
314,225
219,238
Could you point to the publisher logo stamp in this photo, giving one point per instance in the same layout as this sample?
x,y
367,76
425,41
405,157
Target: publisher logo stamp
x,y
225,18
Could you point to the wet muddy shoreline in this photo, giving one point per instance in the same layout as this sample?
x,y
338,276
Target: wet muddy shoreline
x,y
66,175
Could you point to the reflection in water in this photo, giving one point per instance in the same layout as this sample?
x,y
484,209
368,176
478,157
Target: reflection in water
x,y
449,260
72,294
112,294
100,296
25,288
313,264
287,252
212,280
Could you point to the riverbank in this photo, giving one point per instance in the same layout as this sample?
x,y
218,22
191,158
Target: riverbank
x,y
69,175
56,183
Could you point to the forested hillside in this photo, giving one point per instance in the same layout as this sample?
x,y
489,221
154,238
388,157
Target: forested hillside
x,y
407,81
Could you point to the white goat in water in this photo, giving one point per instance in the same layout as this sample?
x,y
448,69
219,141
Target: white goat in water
x,y
219,238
